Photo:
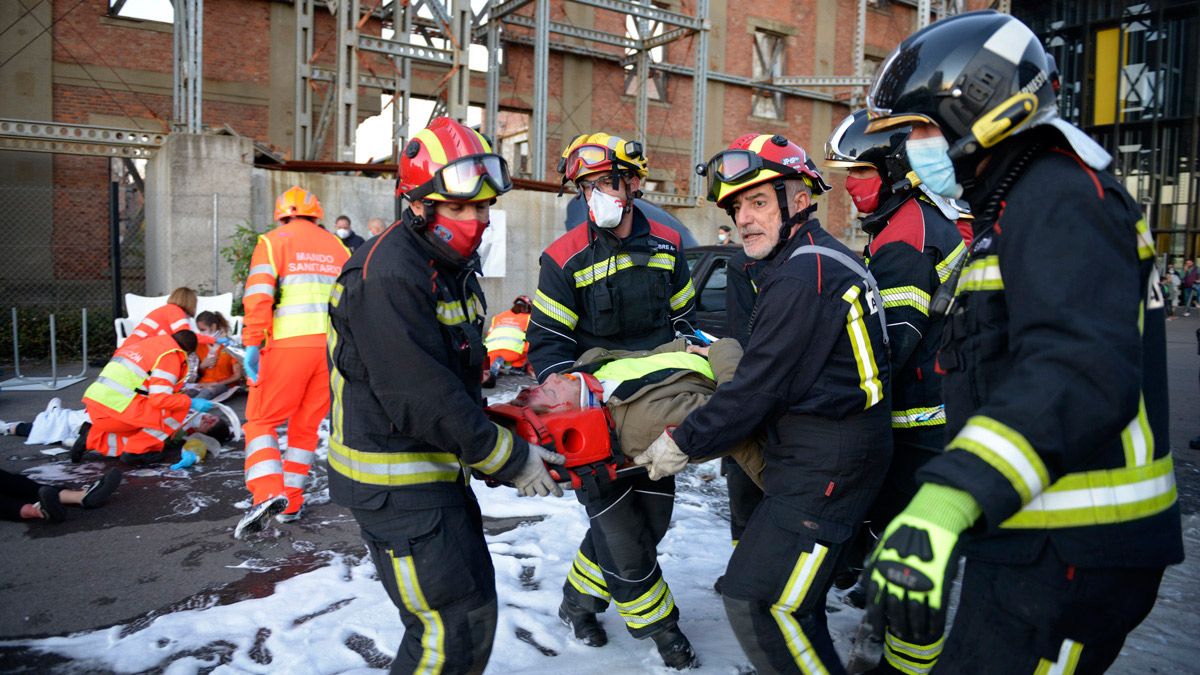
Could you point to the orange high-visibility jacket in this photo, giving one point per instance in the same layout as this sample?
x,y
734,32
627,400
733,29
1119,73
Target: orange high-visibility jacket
x,y
153,369
506,337
291,276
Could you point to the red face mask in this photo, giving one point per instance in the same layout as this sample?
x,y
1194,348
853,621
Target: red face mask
x,y
864,192
461,235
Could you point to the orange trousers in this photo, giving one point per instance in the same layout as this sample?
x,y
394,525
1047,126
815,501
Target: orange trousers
x,y
140,429
292,387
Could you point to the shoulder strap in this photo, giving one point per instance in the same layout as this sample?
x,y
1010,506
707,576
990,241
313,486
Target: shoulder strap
x,y
854,266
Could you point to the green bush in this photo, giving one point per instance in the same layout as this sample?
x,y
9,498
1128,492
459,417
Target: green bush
x,y
238,254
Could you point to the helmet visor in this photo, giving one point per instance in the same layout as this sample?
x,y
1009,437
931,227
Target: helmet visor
x,y
734,167
465,178
587,158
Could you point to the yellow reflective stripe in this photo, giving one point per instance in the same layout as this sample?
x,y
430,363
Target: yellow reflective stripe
x,y
652,606
797,588
500,454
1065,664
1007,451
335,297
610,266
393,468
946,266
981,275
906,296
295,325
918,417
1145,247
555,310
505,337
683,297
911,658
1101,497
1137,439
433,637
451,313
624,370
864,355
585,576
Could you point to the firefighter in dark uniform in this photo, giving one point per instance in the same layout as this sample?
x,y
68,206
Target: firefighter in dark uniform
x,y
913,249
1056,483
617,281
740,293
406,349
815,378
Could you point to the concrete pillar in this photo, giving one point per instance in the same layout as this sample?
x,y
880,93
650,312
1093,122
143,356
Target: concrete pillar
x,y
181,180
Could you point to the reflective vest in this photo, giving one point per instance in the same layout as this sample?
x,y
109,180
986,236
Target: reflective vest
x,y
142,366
623,377
166,320
291,276
508,333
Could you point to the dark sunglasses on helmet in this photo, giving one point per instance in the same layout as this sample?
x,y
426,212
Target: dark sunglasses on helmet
x,y
465,177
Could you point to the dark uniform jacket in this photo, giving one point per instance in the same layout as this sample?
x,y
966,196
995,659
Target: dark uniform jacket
x,y
406,354
597,291
1056,392
815,376
910,257
740,293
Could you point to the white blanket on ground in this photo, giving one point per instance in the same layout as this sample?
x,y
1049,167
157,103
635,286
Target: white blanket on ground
x,y
56,425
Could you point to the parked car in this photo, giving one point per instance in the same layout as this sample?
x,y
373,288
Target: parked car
x,y
708,265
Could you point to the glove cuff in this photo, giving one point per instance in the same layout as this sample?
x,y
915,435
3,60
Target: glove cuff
x,y
947,507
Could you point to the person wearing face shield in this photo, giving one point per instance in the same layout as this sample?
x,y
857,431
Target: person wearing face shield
x,y
618,280
1056,483
915,244
814,379
405,344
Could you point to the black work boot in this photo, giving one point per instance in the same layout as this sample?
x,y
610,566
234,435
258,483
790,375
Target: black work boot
x,y
585,625
675,650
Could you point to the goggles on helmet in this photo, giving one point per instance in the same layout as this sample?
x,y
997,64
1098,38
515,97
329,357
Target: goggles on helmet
x,y
465,177
734,167
595,157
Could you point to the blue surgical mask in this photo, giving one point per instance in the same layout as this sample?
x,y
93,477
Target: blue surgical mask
x,y
930,159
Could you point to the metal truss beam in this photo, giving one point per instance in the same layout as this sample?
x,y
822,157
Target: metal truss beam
x,y
699,102
370,43
577,32
666,38
664,199
364,80
645,12
78,139
820,81
538,121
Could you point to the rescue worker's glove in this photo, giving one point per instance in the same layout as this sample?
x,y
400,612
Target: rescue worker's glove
x,y
223,341
250,363
201,405
533,478
910,573
663,457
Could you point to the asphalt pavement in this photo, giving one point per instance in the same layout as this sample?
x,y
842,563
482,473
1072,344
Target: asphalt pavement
x,y
165,541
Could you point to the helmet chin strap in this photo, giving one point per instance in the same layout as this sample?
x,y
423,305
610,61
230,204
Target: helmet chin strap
x,y
788,223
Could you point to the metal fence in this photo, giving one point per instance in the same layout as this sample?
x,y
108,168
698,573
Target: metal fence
x,y
56,255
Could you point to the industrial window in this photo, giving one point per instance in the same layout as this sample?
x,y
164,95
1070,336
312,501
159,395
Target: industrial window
x,y
154,10
656,84
768,64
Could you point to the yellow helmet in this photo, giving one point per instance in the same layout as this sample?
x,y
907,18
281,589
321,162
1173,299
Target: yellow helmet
x,y
589,153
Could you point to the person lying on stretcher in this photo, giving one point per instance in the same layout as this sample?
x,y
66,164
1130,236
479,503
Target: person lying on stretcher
x,y
646,391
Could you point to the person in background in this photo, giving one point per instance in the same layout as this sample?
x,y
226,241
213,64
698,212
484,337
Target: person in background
x,y
1170,289
725,235
342,229
218,370
23,499
169,319
505,342
376,225
1190,284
